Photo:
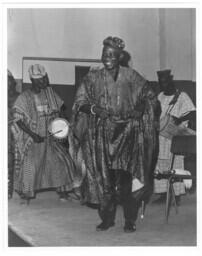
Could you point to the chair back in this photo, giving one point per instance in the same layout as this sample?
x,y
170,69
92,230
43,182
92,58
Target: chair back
x,y
183,145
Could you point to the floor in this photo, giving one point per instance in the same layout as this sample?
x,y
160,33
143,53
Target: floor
x,y
16,241
74,224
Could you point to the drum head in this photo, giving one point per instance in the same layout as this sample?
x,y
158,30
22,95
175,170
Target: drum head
x,y
59,127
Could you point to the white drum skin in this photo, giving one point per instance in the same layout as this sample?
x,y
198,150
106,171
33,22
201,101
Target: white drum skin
x,y
59,128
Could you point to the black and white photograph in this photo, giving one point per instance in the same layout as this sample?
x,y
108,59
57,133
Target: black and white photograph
x,y
100,125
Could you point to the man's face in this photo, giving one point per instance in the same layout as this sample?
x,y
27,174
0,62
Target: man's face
x,y
40,83
165,83
110,57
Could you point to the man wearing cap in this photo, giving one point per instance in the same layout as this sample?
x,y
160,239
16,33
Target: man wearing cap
x,y
180,107
113,120
41,161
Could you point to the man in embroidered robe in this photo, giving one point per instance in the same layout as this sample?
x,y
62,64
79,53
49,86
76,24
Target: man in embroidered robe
x,y
41,160
114,134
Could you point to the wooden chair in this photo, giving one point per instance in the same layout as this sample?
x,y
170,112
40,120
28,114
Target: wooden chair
x,y
181,145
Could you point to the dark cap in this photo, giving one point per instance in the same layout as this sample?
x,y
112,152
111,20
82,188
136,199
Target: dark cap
x,y
164,73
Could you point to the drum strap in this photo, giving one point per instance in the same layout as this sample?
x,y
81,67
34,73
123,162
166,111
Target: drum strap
x,y
51,98
173,101
167,118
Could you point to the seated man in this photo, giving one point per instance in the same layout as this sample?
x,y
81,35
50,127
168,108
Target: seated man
x,y
180,107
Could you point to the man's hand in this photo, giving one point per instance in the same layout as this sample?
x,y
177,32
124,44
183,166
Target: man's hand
x,y
100,112
37,138
177,121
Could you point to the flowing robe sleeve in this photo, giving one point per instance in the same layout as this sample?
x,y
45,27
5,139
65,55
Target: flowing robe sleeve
x,y
79,120
146,97
150,128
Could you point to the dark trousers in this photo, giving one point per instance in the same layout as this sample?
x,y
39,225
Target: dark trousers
x,y
120,191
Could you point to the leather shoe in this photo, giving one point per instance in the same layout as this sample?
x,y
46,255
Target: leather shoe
x,y
104,226
129,227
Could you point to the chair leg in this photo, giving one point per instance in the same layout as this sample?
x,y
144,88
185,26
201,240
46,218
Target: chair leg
x,y
173,197
168,200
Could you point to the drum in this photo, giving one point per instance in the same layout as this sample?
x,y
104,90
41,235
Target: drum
x,y
168,128
59,128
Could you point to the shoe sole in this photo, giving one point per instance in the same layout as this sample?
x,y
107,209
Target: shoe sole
x,y
104,229
129,231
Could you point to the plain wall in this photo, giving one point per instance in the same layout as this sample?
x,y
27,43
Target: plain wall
x,y
156,38
180,43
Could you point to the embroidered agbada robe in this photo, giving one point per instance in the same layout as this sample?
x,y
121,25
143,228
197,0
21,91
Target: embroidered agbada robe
x,y
40,165
123,142
11,142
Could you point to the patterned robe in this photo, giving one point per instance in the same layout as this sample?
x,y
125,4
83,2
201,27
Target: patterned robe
x,y
125,141
182,107
40,165
11,142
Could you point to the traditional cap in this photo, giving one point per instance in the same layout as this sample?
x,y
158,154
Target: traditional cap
x,y
36,71
164,73
114,42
